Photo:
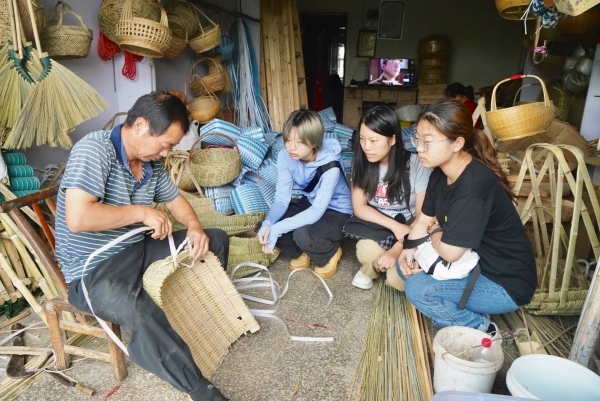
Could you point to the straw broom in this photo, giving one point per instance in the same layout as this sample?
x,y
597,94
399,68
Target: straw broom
x,y
15,83
58,103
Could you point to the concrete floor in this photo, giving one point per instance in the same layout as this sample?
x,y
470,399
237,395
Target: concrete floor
x,y
264,366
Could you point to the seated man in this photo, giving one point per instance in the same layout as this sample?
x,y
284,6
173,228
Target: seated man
x,y
111,180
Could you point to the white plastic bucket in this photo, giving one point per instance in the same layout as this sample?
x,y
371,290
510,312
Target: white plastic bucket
x,y
550,378
454,369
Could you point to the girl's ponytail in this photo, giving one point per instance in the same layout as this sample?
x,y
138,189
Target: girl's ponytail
x,y
483,151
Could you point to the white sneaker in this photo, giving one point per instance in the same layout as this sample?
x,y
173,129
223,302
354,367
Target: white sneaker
x,y
362,281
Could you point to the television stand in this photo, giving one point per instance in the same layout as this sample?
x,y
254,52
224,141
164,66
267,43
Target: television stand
x,y
359,98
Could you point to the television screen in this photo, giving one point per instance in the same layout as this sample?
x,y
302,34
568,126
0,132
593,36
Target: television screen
x,y
383,71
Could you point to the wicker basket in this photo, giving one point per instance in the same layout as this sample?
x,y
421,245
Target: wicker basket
x,y
179,38
214,81
202,306
204,108
111,10
514,9
520,121
214,167
141,36
66,41
186,13
209,37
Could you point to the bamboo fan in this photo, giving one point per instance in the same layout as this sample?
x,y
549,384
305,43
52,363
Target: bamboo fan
x,y
58,103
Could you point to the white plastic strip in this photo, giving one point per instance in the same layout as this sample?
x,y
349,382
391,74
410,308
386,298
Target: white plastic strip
x,y
262,282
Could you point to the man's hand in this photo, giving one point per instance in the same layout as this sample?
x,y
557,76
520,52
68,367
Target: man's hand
x,y
198,242
158,221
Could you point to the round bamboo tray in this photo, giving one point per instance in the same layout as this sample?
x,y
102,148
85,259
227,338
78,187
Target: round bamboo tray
x,y
513,9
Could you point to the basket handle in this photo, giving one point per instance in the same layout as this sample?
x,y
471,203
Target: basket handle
x,y
204,15
235,147
164,18
111,123
219,66
69,10
493,105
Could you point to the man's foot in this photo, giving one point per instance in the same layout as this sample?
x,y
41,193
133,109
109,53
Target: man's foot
x,y
330,269
362,281
301,262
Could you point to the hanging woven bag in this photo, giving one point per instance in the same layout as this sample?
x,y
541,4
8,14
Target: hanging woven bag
x,y
204,108
66,41
142,36
179,38
209,37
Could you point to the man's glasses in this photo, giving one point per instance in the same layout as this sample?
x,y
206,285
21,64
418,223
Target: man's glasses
x,y
416,142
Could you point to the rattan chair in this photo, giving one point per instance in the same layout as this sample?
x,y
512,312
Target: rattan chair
x,y
84,323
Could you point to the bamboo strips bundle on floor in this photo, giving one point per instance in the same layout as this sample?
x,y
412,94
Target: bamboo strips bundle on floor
x,y
393,364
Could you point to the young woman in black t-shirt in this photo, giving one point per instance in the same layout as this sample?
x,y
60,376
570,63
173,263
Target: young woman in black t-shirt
x,y
468,205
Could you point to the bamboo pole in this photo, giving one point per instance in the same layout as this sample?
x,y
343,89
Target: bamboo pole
x,y
19,284
8,286
9,195
15,260
14,319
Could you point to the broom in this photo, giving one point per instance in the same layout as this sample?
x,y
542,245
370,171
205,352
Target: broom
x,y
57,104
15,82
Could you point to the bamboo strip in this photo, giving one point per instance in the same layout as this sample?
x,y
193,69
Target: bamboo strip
x,y
9,195
7,284
14,319
15,260
19,284
16,350
10,388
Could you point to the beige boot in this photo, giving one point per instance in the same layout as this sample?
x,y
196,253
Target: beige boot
x,y
301,262
330,269
367,253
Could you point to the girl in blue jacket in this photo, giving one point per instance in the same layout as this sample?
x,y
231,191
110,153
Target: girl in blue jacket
x,y
310,227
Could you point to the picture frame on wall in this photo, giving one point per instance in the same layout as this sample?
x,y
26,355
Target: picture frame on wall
x,y
367,41
391,19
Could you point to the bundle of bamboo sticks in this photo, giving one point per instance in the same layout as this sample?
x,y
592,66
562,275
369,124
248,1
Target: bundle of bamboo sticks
x,y
394,363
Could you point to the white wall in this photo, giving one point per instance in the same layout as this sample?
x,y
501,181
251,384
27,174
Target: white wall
x,y
119,91
484,47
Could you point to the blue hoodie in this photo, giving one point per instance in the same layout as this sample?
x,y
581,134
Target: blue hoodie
x,y
332,191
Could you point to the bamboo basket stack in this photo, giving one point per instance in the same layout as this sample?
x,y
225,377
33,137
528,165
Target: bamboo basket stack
x,y
282,67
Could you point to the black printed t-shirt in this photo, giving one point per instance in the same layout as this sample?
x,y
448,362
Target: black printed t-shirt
x,y
476,212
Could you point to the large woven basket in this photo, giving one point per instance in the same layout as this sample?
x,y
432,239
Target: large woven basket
x,y
187,15
142,36
246,248
179,37
522,120
513,9
209,36
214,167
176,163
214,81
66,41
111,10
202,306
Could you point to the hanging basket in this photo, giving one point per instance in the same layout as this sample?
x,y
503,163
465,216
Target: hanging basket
x,y
209,37
201,304
214,81
179,38
204,108
520,121
187,15
514,9
66,41
111,10
142,36
213,167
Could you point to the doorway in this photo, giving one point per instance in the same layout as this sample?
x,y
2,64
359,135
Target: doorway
x,y
324,39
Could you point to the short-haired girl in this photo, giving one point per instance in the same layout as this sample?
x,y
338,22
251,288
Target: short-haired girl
x,y
309,228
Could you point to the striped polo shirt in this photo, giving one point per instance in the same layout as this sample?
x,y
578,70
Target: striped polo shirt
x,y
98,165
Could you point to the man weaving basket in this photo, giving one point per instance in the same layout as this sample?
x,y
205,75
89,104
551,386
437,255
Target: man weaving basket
x,y
112,178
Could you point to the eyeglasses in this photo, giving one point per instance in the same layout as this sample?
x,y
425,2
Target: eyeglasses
x,y
416,142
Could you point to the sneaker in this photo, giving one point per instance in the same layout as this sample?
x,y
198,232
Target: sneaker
x,y
362,281
330,269
301,262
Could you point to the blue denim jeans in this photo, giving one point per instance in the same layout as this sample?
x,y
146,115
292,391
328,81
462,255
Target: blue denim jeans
x,y
438,300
